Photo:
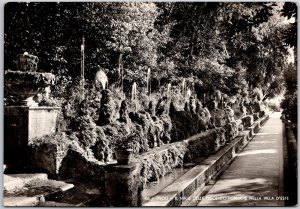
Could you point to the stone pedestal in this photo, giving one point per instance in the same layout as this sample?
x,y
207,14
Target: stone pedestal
x,y
122,185
21,125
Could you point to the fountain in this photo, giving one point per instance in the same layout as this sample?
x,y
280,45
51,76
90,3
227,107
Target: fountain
x,y
192,105
133,95
24,119
151,108
183,87
148,90
133,92
102,79
25,83
188,93
168,87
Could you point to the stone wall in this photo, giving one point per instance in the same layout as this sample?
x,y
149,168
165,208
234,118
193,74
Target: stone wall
x,y
41,120
21,125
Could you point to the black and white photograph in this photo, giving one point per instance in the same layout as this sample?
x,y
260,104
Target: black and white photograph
x,y
149,104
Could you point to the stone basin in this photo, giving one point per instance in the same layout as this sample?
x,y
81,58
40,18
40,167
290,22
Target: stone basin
x,y
25,85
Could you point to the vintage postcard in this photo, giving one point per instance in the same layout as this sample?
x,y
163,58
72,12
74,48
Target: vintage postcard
x,y
125,104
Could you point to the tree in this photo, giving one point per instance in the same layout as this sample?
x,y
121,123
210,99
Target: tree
x,y
289,10
205,43
257,46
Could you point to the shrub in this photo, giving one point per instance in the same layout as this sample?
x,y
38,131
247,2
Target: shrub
x,y
290,104
86,128
115,131
202,145
184,125
131,142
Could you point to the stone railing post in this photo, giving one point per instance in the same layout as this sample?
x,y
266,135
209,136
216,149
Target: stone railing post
x,y
122,185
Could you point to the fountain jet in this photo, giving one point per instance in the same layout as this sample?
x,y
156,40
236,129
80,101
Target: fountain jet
x,y
133,94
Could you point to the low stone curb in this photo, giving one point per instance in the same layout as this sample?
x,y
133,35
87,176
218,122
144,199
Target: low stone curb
x,y
200,175
292,144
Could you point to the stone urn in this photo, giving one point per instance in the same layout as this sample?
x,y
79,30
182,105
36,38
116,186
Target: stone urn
x,y
25,83
124,156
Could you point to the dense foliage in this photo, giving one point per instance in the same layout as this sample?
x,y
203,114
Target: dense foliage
x,y
290,103
212,48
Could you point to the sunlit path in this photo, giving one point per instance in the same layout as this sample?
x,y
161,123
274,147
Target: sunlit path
x,y
256,175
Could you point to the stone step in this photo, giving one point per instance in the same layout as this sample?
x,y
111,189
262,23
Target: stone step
x,y
34,191
200,175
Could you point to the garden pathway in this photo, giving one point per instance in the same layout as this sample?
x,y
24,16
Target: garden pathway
x,y
255,177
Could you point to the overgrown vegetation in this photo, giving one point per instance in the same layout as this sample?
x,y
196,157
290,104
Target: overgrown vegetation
x,y
160,161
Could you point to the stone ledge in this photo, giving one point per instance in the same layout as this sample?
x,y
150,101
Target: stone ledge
x,y
36,188
16,181
292,146
182,188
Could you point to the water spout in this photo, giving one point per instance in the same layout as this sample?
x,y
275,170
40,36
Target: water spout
x,y
188,93
133,94
183,87
102,79
168,87
148,90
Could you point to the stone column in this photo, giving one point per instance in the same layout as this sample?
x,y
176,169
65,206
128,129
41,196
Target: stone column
x,y
122,185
